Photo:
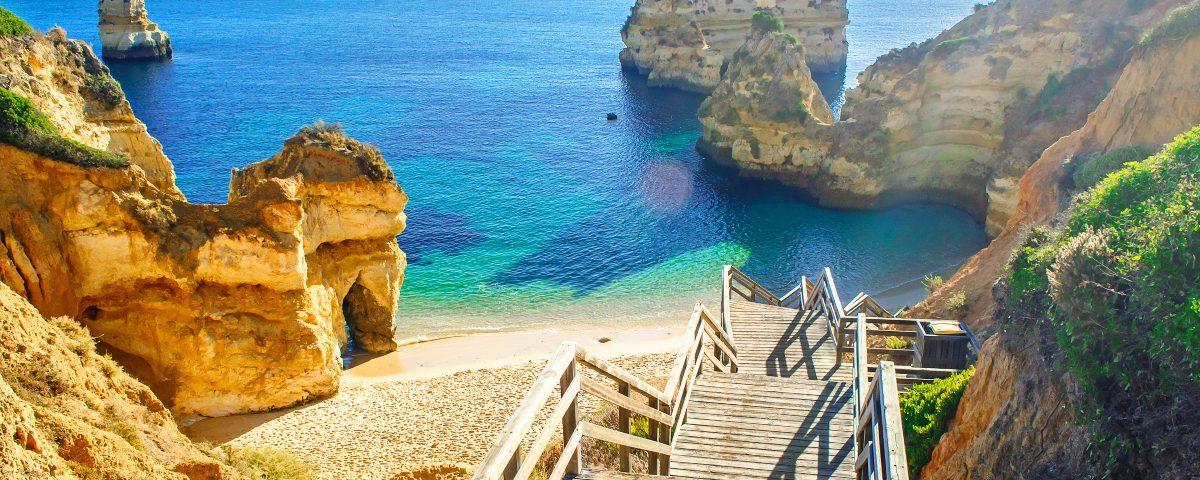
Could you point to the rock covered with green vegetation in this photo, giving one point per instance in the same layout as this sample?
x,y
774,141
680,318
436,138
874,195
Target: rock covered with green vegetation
x,y
1094,370
766,98
927,409
23,126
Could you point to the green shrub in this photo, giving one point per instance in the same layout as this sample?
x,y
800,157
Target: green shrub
x,y
1118,282
267,464
24,127
926,410
1091,170
765,22
1180,23
932,282
11,24
105,89
794,112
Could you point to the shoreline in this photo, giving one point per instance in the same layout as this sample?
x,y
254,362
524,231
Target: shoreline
x,y
433,405
458,353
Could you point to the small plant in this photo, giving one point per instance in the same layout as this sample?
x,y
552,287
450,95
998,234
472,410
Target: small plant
x,y
127,432
932,282
926,410
764,22
1091,171
1182,22
259,463
104,89
795,112
897,343
604,339
11,24
956,304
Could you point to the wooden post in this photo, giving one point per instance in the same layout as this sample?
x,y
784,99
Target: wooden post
x,y
623,426
655,434
571,419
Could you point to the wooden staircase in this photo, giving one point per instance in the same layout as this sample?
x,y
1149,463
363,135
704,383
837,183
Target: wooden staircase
x,y
762,392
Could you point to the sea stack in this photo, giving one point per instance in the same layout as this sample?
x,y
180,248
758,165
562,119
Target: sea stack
x,y
126,33
685,45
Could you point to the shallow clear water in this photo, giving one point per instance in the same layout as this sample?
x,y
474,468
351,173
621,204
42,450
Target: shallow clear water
x,y
528,208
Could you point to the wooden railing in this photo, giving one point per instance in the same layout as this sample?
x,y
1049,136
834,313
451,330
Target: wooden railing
x,y
878,427
707,340
708,344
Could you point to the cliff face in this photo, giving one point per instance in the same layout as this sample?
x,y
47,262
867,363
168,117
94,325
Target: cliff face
x,y
1017,419
960,117
69,412
221,309
66,81
126,33
766,95
684,44
1152,101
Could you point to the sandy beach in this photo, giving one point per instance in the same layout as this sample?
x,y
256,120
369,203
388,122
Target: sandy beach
x,y
432,406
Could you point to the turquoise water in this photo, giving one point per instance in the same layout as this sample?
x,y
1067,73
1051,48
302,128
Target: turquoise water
x,y
528,208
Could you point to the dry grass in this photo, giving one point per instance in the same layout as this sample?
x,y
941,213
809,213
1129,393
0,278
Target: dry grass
x,y
261,463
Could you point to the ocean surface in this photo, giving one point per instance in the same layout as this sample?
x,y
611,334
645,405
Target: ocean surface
x,y
528,209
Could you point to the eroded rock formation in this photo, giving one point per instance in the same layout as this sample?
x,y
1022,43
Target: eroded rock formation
x,y
767,94
959,118
684,44
126,33
68,412
1152,101
1018,416
221,309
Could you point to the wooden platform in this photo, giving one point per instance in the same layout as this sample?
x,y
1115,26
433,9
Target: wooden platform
x,y
787,413
784,342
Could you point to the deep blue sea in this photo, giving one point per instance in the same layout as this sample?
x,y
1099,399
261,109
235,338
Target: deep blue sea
x,y
528,208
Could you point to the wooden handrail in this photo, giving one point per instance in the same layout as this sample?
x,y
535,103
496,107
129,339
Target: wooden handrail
x,y
879,430
708,341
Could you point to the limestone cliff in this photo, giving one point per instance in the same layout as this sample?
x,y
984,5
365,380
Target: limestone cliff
x,y
66,81
68,412
1152,101
766,95
1018,417
685,44
958,119
126,33
221,309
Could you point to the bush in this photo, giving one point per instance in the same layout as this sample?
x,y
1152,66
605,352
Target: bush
x,y
795,112
11,24
1182,22
926,410
267,464
1091,170
104,89
1118,282
932,282
765,22
24,127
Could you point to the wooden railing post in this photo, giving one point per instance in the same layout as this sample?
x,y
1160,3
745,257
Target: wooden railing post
x,y
570,420
895,461
656,435
623,425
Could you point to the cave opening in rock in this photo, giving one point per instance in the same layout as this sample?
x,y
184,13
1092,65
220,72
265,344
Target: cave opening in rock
x,y
351,313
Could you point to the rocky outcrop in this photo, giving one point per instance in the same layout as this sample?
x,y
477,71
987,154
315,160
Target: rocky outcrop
x,y
959,118
221,309
767,94
1017,418
684,44
67,82
126,33
1152,101
69,412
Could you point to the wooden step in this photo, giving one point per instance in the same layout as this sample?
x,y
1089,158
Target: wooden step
x,y
594,474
